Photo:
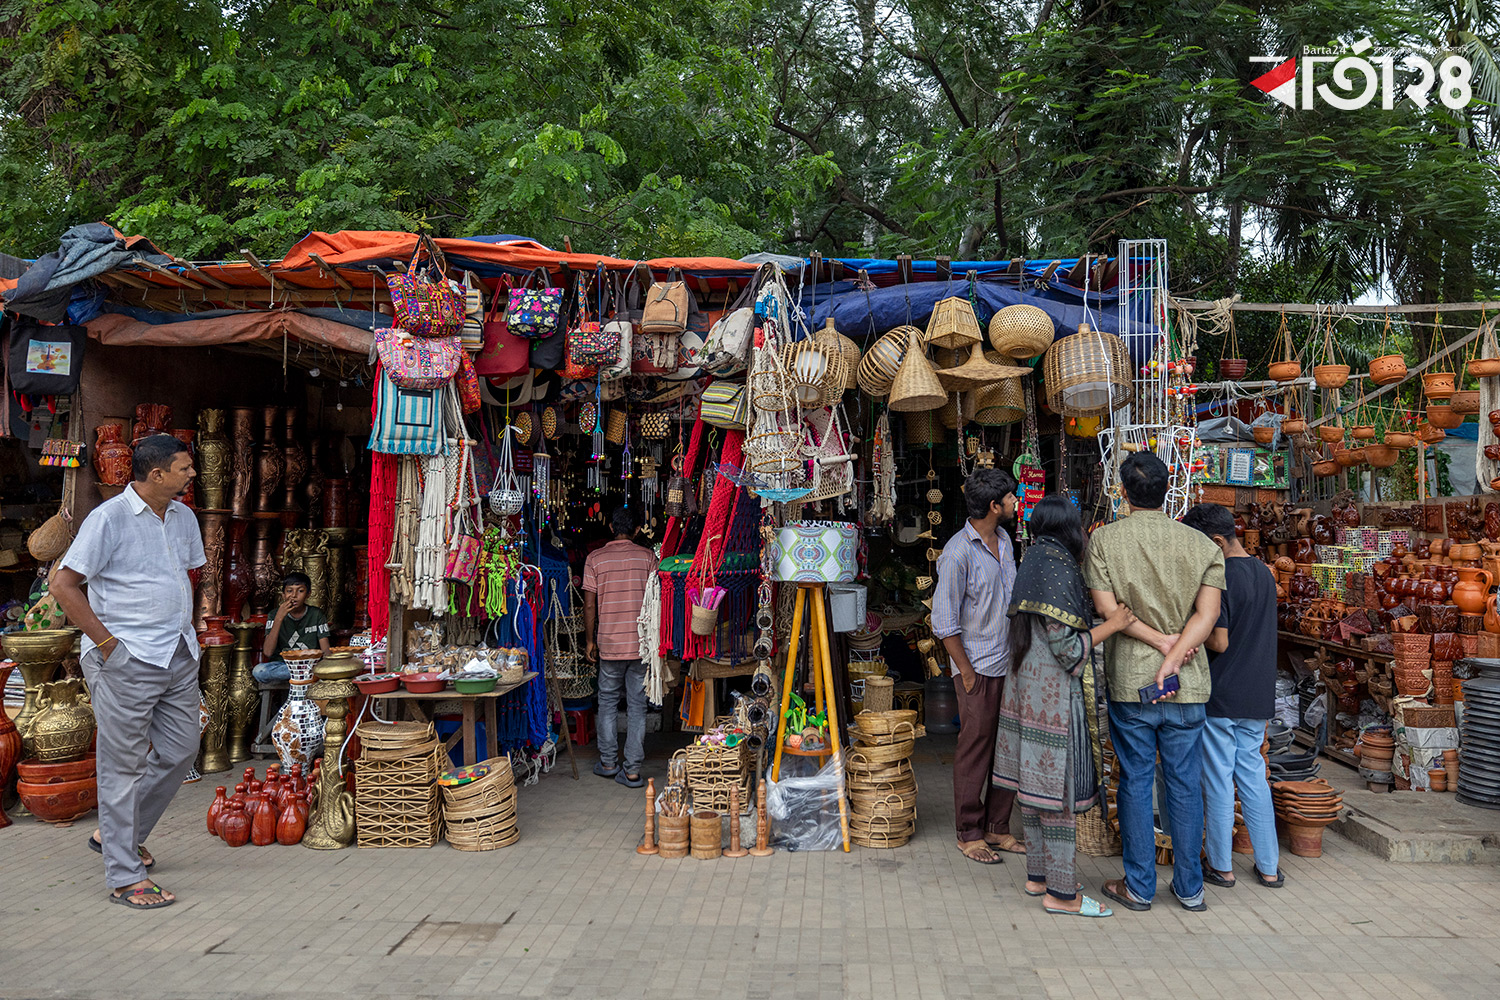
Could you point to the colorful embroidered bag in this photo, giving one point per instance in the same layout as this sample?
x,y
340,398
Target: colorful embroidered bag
x,y
418,362
585,331
462,564
424,303
535,312
467,384
724,405
594,343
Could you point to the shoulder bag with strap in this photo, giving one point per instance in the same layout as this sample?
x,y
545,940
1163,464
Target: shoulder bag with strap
x,y
423,302
503,354
595,343
535,310
407,421
666,308
418,362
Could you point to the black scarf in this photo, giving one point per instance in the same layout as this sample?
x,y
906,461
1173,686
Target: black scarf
x,y
1049,583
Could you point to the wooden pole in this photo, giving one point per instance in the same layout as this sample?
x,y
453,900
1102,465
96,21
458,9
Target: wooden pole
x,y
735,850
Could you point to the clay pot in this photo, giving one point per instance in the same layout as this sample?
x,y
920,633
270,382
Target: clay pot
x,y
1331,376
216,809
1471,591
1293,425
1380,456
1263,435
1442,415
1232,369
1484,367
1491,617
235,825
263,821
37,773
1331,433
1400,440
1465,401
112,456
1364,432
1325,468
1284,371
1438,778
1438,385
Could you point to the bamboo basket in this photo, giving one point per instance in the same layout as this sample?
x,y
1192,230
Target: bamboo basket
x,y
953,324
879,694
878,368
923,429
889,761
1096,837
851,354
1000,403
816,369
1087,374
916,386
885,723
394,735
712,771
615,426
957,411
1021,331
903,732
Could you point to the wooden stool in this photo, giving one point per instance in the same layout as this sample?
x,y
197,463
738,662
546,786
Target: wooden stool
x,y
271,699
811,597
909,695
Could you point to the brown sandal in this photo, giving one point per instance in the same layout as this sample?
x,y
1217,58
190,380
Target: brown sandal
x,y
977,852
1008,844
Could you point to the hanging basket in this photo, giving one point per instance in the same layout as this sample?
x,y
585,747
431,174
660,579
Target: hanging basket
x,y
1348,458
851,357
703,620
1484,367
1380,456
1332,433
878,368
953,324
958,411
1364,432
1387,369
1087,374
841,368
808,364
923,429
1000,403
1400,440
1284,371
1263,435
916,387
1021,331
1331,376
1442,415
1465,401
1438,385
1294,425
1325,468
1428,434
1232,369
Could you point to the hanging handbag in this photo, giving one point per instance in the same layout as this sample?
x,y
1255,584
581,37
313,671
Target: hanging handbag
x,y
423,302
594,343
681,498
535,312
621,326
473,330
46,360
504,354
726,351
725,405
462,565
467,384
666,308
576,369
418,362
407,421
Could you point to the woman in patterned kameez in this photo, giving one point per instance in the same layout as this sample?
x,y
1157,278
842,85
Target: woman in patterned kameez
x,y
1042,750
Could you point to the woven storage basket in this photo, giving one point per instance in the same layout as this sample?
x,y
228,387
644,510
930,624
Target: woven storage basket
x,y
953,324
868,758
615,426
394,735
879,694
878,368
958,411
842,368
1021,331
1087,374
1096,837
1001,402
923,429
905,731
396,799
884,723
713,770
916,386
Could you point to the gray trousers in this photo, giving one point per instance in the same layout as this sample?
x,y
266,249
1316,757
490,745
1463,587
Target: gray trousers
x,y
630,674
148,737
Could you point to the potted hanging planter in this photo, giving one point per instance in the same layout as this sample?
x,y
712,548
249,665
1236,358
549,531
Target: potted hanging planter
x,y
1380,456
1428,434
1293,425
1348,458
1326,467
1263,435
1362,432
1400,440
1387,368
1465,401
1289,367
1232,368
1332,433
1442,415
1438,385
1330,374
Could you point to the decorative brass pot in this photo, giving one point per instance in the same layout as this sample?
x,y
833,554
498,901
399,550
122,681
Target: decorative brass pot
x,y
243,697
63,727
38,654
214,472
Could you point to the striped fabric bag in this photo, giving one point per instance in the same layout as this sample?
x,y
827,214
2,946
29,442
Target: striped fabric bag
x,y
407,421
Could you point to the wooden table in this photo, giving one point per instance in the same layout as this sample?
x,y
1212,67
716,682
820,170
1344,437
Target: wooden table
x,y
417,709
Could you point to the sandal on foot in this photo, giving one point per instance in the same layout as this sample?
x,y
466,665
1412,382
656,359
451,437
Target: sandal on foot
x,y
140,849
1276,883
1089,908
1008,844
124,898
1120,893
1044,891
605,772
976,854
628,781
1212,877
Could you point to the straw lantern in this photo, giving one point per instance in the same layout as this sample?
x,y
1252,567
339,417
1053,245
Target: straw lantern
x,y
923,429
1087,374
1021,331
878,368
916,387
953,324
1000,403
850,350
977,372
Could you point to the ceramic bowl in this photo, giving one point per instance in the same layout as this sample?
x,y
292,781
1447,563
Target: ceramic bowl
x,y
474,685
59,802
36,772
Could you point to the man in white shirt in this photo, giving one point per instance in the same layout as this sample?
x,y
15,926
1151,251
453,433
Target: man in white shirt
x,y
140,655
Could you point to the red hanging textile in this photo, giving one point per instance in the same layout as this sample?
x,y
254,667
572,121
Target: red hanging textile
x,y
713,543
673,537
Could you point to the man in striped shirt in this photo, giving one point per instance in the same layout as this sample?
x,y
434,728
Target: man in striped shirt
x,y
614,585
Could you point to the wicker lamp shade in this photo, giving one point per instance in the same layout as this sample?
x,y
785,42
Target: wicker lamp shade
x,y
977,372
958,411
916,387
845,361
923,429
1001,403
878,368
815,369
953,324
1021,331
851,354
1087,374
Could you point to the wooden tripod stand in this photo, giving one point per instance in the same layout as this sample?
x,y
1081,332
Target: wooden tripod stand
x,y
811,599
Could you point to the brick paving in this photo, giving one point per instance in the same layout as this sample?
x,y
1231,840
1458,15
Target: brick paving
x,y
572,911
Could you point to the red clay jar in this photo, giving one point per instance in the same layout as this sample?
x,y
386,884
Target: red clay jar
x,y
292,824
235,826
263,822
216,810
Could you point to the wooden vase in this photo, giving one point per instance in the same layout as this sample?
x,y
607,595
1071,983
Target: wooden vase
x,y
10,746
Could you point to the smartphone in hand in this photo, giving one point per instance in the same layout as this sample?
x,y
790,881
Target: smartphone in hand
x,y
1150,694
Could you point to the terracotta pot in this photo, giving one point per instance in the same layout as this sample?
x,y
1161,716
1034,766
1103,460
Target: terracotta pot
x,y
1304,841
1364,432
1293,425
1442,415
10,746
1331,376
1438,385
1348,458
1484,367
1400,439
1284,371
1471,591
1263,435
1380,456
1437,778
216,809
59,801
235,825
1232,369
112,456
1465,401
1388,368
1428,434
263,819
292,823
1325,468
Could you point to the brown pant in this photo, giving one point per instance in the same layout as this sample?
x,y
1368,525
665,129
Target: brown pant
x,y
980,811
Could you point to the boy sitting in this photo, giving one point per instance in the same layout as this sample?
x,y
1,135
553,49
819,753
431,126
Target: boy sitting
x,y
297,626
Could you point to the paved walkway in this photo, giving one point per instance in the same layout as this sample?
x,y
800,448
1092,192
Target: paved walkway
x,y
572,911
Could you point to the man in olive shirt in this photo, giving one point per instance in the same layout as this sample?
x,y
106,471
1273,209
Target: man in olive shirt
x,y
1171,577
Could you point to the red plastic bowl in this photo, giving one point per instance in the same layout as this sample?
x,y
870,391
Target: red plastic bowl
x,y
425,683
378,683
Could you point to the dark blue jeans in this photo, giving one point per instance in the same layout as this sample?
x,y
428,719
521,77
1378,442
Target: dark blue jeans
x,y
1139,733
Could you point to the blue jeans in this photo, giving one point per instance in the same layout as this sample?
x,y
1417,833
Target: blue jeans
x,y
270,672
1231,756
1139,733
631,675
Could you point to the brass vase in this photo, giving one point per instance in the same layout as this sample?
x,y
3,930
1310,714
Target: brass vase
x,y
331,827
338,560
312,488
38,654
264,571
269,462
214,471
213,672
294,457
306,549
63,727
241,460
211,577
243,697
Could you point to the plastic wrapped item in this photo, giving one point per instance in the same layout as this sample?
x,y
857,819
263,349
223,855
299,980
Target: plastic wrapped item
x,y
804,805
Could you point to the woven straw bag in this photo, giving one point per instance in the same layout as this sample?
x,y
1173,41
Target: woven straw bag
x,y
1021,331
1087,374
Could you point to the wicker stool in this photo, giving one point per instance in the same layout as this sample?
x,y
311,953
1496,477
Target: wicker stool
x,y
908,695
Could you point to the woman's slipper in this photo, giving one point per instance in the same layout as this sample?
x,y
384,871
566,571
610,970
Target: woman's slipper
x,y
159,902
140,849
1044,891
1089,908
980,854
1276,883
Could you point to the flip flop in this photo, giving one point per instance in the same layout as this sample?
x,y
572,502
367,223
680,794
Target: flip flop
x,y
1123,896
124,899
997,859
605,772
1277,883
140,849
1089,908
1214,878
628,781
